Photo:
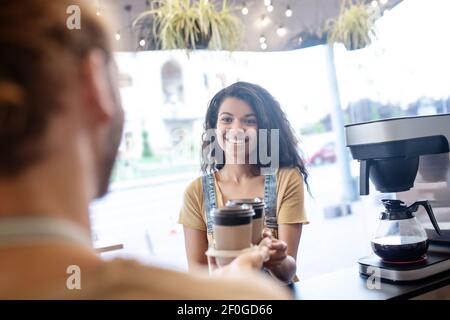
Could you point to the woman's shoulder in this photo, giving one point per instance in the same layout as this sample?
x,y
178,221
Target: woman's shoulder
x,y
195,186
289,173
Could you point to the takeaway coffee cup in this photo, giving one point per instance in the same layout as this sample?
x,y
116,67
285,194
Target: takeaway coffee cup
x,y
258,219
232,227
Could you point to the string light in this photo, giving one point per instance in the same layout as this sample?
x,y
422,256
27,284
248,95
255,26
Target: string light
x,y
264,46
265,21
262,39
300,40
118,36
142,42
244,10
98,6
281,31
267,2
269,8
383,2
288,12
374,3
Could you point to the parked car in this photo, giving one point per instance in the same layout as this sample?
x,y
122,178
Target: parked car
x,y
326,154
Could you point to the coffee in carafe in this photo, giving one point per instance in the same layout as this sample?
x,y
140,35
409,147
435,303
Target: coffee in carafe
x,y
399,249
400,237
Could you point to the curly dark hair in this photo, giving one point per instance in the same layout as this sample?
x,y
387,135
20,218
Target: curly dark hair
x,y
269,116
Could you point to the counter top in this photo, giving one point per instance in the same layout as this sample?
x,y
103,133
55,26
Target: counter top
x,y
348,284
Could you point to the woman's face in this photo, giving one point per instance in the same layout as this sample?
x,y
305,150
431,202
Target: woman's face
x,y
236,130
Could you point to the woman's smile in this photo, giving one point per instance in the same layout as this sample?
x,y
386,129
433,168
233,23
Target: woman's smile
x,y
236,139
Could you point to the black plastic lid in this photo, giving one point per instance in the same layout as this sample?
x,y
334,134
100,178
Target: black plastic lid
x,y
256,203
395,210
233,215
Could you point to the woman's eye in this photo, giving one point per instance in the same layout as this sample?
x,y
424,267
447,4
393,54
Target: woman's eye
x,y
227,119
251,121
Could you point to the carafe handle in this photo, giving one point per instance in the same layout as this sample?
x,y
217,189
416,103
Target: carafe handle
x,y
429,210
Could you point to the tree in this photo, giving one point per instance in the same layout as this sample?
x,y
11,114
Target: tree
x,y
146,150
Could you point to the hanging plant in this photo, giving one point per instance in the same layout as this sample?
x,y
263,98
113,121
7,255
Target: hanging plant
x,y
355,25
186,24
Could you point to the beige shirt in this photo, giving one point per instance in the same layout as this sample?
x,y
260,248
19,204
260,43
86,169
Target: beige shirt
x,y
128,279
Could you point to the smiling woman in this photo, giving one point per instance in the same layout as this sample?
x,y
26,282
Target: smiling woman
x,y
233,169
236,131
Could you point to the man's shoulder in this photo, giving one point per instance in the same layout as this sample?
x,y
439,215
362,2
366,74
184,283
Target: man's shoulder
x,y
129,279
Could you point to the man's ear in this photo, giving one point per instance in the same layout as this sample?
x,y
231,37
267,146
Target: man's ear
x,y
96,87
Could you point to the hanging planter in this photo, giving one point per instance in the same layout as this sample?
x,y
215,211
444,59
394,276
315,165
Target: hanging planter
x,y
355,25
186,24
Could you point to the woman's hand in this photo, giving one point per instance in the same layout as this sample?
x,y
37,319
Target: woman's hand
x,y
277,251
280,264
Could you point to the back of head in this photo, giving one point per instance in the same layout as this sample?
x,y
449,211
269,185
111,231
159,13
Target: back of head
x,y
40,50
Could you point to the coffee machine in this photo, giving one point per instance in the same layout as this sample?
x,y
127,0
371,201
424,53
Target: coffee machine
x,y
408,158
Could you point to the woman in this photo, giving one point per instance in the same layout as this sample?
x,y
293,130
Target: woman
x,y
235,116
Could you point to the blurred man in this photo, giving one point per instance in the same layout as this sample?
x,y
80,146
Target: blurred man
x,y
60,126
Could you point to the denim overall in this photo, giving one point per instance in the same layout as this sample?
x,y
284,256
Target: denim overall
x,y
270,201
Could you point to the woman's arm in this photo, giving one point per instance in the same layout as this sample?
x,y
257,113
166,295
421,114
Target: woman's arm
x,y
291,217
282,263
196,244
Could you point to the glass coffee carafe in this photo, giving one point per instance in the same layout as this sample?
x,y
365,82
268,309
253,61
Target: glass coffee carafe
x,y
400,237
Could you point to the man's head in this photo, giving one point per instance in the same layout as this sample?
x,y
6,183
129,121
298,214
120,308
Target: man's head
x,y
57,85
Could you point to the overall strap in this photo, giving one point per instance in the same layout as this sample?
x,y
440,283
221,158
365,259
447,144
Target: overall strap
x,y
270,200
209,199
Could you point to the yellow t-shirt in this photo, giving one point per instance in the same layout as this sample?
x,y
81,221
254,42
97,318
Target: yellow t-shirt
x,y
290,200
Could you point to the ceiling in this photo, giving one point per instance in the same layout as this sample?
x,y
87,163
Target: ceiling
x,y
306,15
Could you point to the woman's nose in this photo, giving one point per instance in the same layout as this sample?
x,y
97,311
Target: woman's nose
x,y
237,129
238,125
